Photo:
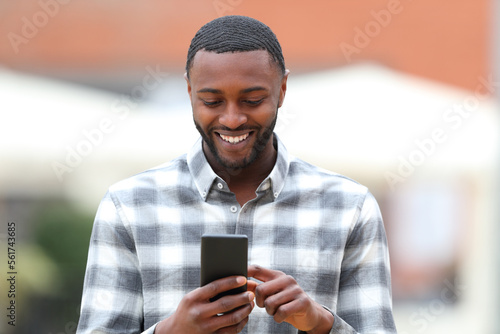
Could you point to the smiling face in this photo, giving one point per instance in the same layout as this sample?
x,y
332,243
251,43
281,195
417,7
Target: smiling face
x,y
235,98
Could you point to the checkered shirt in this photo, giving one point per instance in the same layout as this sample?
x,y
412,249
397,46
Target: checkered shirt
x,y
322,228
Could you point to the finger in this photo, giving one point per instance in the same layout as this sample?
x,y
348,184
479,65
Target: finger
x,y
273,293
251,285
212,289
234,319
231,302
297,307
233,329
263,274
274,302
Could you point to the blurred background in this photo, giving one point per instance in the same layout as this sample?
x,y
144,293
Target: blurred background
x,y
399,95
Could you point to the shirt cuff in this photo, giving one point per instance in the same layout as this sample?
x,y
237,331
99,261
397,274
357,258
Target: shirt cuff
x,y
339,325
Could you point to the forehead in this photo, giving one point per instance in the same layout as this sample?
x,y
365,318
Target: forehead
x,y
249,66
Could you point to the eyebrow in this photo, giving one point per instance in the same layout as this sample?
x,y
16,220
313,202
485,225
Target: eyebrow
x,y
218,91
253,89
209,90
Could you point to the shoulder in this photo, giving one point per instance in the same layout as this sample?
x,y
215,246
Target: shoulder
x,y
156,178
308,175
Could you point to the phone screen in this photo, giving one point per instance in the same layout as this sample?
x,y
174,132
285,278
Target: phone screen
x,y
223,255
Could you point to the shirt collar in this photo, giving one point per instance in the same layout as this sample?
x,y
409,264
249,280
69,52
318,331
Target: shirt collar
x,y
204,176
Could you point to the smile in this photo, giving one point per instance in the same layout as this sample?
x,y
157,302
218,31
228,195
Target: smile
x,y
234,139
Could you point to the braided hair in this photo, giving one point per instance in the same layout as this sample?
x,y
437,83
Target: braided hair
x,y
235,33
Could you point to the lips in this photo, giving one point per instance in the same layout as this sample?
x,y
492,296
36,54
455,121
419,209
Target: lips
x,y
234,139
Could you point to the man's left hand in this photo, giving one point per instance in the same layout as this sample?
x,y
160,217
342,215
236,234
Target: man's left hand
x,y
285,300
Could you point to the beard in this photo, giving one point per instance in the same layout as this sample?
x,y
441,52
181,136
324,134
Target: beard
x,y
263,135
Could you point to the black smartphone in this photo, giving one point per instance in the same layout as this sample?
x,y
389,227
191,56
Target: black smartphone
x,y
223,255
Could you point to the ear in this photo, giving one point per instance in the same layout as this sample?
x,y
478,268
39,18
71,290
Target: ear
x,y
283,88
188,84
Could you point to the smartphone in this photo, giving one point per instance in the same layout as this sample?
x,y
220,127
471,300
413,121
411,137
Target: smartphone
x,y
223,255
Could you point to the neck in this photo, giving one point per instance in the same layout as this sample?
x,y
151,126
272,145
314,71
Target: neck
x,y
243,182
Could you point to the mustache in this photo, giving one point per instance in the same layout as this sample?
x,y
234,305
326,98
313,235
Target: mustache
x,y
239,128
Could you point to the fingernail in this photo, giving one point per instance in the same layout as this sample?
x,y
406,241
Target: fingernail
x,y
250,296
241,280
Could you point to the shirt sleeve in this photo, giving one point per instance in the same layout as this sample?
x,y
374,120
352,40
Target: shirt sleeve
x,y
365,298
112,299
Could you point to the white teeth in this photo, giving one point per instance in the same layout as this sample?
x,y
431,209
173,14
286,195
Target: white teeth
x,y
234,139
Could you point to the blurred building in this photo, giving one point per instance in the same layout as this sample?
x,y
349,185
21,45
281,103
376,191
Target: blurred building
x,y
109,43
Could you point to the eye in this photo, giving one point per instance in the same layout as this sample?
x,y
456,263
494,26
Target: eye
x,y
254,102
211,103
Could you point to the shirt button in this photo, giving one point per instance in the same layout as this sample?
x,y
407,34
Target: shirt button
x,y
234,209
204,194
220,185
275,195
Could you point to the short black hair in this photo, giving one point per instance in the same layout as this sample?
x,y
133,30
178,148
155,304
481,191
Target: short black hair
x,y
235,33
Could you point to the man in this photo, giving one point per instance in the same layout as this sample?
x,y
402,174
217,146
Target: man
x,y
317,246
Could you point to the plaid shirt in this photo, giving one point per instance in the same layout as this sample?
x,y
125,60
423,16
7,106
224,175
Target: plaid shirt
x,y
323,229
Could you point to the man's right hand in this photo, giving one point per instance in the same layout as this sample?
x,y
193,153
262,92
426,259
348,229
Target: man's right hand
x,y
197,315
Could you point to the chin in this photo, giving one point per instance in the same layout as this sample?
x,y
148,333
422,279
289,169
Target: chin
x,y
233,164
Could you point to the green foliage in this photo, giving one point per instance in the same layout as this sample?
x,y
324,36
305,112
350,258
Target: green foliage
x,y
63,232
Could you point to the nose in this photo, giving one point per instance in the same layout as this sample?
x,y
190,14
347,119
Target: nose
x,y
232,117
